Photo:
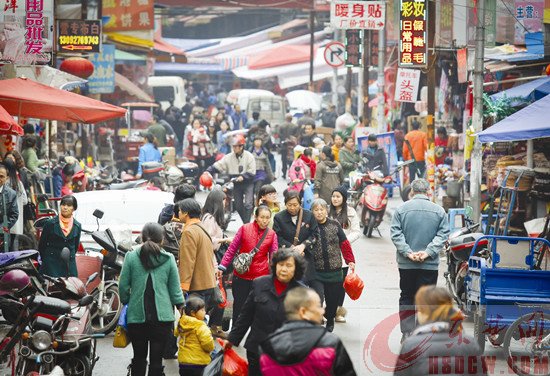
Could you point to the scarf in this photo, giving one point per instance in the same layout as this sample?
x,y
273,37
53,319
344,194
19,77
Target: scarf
x,y
311,163
66,225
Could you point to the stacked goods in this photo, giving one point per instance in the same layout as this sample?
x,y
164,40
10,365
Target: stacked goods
x,y
541,187
525,175
503,163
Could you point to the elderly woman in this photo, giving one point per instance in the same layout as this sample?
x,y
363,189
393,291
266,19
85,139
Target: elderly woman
x,y
60,232
251,236
263,311
440,327
329,247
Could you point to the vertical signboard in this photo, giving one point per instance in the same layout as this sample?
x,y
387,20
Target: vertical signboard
x,y
126,15
490,22
373,47
103,79
354,48
406,85
462,65
413,33
444,23
25,36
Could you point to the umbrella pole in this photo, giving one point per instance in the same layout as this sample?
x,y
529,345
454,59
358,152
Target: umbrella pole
x,y
50,177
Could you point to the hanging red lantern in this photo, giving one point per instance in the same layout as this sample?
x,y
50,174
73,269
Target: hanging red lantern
x,y
548,70
78,66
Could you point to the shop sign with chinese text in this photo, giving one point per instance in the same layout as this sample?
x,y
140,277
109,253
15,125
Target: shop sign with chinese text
x,y
413,33
79,35
358,14
406,85
25,31
529,15
125,15
102,81
354,48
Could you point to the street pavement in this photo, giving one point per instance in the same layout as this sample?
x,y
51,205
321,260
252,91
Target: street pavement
x,y
371,334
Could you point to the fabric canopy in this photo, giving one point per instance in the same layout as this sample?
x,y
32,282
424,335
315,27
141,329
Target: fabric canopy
x,y
526,124
542,90
522,93
131,88
280,55
296,4
8,125
23,97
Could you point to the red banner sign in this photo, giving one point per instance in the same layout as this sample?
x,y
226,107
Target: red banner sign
x,y
413,33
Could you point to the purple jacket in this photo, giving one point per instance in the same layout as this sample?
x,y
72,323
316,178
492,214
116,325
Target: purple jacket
x,y
303,348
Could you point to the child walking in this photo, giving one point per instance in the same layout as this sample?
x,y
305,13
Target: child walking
x,y
195,338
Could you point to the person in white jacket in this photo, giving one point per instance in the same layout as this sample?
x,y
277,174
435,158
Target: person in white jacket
x,y
349,220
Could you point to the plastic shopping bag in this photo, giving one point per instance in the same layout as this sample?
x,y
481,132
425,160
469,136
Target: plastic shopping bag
x,y
122,320
353,285
215,367
233,364
222,303
308,197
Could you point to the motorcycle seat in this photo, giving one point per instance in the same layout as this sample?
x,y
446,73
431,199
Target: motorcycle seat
x,y
53,306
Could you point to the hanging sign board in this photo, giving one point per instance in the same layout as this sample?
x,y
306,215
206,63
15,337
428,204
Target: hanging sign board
x,y
354,48
413,33
78,35
358,14
406,85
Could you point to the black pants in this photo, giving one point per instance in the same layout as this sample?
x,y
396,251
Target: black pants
x,y
240,288
417,170
344,273
150,338
189,370
253,364
333,293
410,280
284,160
244,200
215,312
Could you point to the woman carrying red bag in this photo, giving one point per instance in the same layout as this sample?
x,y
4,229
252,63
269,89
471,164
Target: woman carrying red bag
x,y
329,246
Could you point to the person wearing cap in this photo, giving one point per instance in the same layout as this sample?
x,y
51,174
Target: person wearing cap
x,y
240,165
376,156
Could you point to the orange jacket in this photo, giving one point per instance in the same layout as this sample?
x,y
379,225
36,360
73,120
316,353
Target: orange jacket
x,y
419,144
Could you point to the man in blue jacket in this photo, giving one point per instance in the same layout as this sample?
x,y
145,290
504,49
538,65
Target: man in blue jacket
x,y
418,230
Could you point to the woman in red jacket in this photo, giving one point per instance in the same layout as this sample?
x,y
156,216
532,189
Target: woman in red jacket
x,y
246,239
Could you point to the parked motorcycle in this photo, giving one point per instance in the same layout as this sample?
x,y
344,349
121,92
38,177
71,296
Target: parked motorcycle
x,y
458,249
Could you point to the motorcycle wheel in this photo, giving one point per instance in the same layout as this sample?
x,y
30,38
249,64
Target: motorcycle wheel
x,y
372,222
77,365
479,328
108,310
23,242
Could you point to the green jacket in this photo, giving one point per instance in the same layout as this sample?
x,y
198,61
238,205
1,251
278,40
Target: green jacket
x,y
31,159
166,283
159,132
348,160
52,241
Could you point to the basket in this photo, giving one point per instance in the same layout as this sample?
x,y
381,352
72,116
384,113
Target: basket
x,y
453,188
527,177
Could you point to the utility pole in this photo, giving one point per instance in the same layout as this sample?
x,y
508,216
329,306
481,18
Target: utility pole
x,y
311,44
477,118
381,64
430,119
366,65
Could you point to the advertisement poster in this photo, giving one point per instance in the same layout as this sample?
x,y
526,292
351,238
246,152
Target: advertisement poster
x,y
102,81
386,141
406,85
26,33
127,15
529,15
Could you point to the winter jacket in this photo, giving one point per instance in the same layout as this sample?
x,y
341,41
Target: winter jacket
x,y
147,153
196,268
303,348
285,229
353,230
245,241
166,214
348,160
435,346
31,159
195,341
299,170
243,165
52,242
166,286
329,175
263,312
329,246
263,168
419,225
377,161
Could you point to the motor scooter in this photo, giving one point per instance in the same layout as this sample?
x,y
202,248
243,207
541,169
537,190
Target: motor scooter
x,y
458,249
374,201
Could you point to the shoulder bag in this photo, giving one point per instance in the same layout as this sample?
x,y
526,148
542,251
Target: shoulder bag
x,y
242,262
298,228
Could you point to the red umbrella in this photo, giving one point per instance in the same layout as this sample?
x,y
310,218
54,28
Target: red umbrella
x,y
23,97
8,124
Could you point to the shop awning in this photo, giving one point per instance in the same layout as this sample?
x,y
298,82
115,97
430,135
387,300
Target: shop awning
x,y
523,93
49,76
295,4
542,90
281,55
189,68
131,88
528,123
123,57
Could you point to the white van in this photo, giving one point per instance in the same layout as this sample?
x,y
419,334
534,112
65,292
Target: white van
x,y
168,89
242,96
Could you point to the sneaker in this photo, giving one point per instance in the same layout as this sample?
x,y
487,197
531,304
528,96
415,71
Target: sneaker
x,y
340,318
341,313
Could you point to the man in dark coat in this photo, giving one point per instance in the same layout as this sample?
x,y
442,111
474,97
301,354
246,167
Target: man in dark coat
x,y
8,205
302,346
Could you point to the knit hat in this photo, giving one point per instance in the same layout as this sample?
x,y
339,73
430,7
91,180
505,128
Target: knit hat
x,y
343,191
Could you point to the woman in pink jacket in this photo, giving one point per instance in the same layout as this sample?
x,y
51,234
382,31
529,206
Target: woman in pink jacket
x,y
245,240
